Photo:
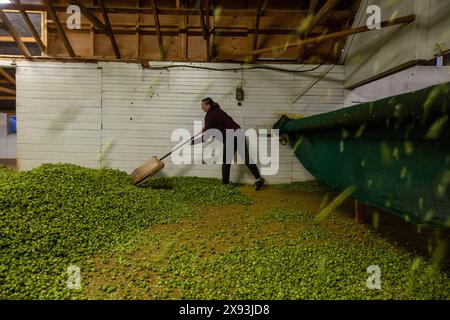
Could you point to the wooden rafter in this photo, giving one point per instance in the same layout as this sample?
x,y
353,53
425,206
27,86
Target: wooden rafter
x,y
22,47
331,36
91,36
109,30
182,24
175,30
7,76
158,31
204,28
138,31
103,27
31,27
202,19
256,27
209,49
311,12
321,14
333,20
7,90
7,98
59,28
213,33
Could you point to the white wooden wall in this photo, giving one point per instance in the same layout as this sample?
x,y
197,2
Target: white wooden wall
x,y
118,115
59,107
412,79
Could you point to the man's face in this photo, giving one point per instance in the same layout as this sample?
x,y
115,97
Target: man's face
x,y
205,106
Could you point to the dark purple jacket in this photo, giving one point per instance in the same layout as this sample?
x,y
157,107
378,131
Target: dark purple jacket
x,y
218,119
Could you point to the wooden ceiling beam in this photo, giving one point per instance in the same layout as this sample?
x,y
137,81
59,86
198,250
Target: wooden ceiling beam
x,y
7,90
22,47
109,30
322,13
311,12
337,14
59,28
219,32
31,27
158,31
175,30
7,98
209,48
331,36
255,28
7,76
202,19
317,18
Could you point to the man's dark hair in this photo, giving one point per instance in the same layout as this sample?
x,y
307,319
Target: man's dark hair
x,y
208,101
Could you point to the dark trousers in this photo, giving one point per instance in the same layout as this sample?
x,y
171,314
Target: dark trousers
x,y
227,166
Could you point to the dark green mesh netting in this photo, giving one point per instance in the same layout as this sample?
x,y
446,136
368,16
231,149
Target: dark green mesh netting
x,y
394,151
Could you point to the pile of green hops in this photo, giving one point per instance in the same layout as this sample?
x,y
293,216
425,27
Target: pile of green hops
x,y
58,215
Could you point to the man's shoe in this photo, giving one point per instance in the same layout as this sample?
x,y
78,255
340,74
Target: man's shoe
x,y
259,183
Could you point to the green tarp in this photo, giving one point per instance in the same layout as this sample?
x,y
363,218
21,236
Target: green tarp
x,y
395,152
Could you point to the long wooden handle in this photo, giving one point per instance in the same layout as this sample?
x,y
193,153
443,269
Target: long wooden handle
x,y
180,146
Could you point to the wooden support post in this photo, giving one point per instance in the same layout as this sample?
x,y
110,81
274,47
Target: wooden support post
x,y
22,47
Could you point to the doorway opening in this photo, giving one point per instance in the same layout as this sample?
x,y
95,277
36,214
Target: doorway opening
x,y
8,119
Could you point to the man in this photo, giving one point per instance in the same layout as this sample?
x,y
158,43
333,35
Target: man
x,y
216,118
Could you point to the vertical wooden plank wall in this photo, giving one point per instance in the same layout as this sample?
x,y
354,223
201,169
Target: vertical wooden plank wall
x,y
59,107
139,108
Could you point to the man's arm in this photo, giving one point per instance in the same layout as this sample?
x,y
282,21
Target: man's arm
x,y
199,139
